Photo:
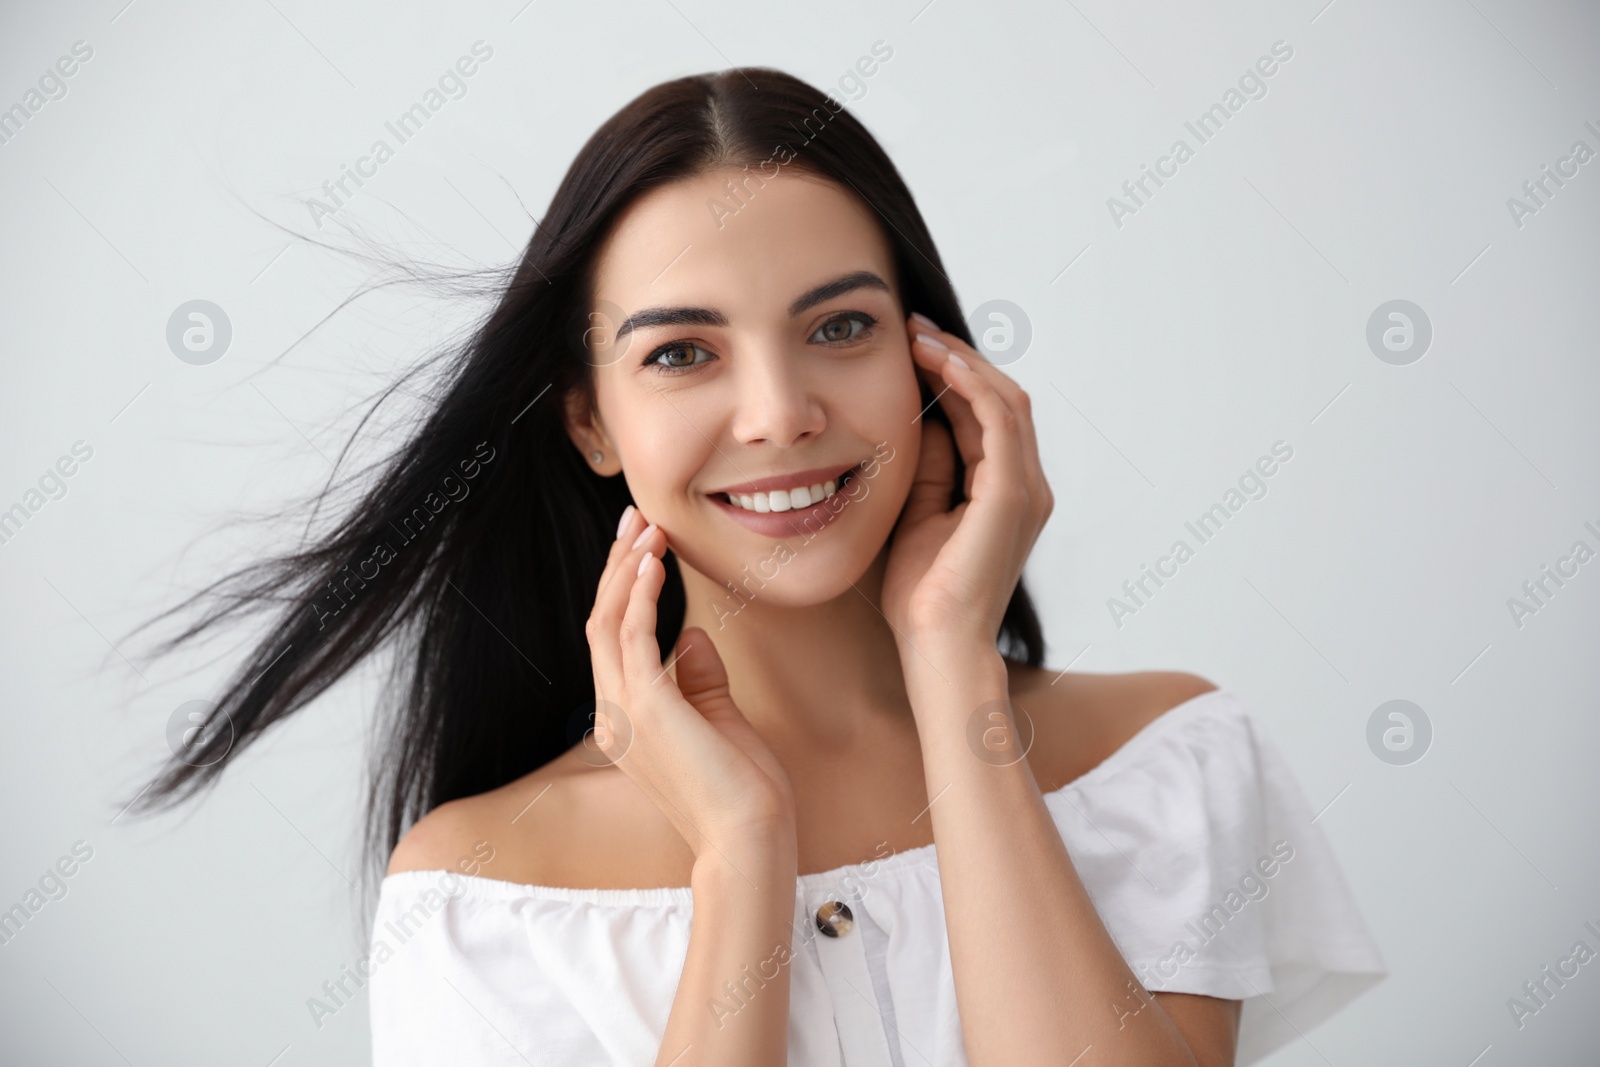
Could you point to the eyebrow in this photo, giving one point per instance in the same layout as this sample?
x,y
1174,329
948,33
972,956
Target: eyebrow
x,y
699,316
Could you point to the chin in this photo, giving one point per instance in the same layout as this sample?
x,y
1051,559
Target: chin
x,y
789,573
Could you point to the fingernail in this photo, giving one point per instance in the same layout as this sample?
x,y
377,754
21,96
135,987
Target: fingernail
x,y
627,516
931,342
643,535
642,561
958,360
920,317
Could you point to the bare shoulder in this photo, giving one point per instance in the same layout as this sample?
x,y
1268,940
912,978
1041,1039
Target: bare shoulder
x,y
1081,718
453,830
435,840
1143,695
1134,697
569,824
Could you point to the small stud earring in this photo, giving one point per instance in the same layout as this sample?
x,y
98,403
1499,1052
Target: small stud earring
x,y
597,457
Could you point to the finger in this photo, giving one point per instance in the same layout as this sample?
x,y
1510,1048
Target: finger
x,y
1021,405
1016,399
628,529
1013,394
1000,430
636,635
963,423
611,600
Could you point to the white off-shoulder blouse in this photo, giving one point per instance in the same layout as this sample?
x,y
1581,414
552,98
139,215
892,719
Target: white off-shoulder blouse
x,y
1194,840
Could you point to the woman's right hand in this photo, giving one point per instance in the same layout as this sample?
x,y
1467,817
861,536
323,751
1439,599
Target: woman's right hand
x,y
685,744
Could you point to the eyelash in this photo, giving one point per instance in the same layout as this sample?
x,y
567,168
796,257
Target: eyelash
x,y
867,321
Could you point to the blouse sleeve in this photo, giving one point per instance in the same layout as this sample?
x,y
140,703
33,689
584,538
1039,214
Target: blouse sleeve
x,y
479,972
1201,858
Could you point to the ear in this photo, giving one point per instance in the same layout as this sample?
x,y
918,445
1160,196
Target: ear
x,y
588,434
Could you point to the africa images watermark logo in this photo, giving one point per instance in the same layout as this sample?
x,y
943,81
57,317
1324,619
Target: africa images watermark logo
x,y
854,491
1204,527
451,85
1540,190
52,86
1538,591
429,905
832,918
412,526
52,887
1543,987
852,84
52,485
1251,888
1399,732
1251,86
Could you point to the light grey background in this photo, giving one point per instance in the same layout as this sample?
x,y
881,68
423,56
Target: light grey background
x,y
1168,353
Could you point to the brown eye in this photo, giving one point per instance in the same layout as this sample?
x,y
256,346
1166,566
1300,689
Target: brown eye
x,y
844,328
666,357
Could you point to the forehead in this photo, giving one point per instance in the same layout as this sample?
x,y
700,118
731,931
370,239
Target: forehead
x,y
692,240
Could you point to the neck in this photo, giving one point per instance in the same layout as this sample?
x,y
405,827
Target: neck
x,y
819,676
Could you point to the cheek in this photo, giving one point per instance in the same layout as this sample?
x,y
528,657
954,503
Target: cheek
x,y
901,407
887,393
661,454
886,416
658,480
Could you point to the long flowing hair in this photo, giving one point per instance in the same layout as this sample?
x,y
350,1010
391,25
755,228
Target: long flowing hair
x,y
478,545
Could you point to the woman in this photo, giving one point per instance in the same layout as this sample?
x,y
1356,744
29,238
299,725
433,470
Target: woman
x,y
727,407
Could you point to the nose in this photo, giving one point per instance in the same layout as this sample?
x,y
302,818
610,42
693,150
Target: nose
x,y
777,401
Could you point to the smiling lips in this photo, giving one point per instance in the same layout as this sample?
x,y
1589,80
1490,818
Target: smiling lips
x,y
788,481
785,504
800,496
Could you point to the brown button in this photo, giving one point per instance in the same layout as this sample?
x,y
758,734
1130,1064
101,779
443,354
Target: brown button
x,y
834,919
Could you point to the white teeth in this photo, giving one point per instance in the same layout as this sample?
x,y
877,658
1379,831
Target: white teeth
x,y
785,499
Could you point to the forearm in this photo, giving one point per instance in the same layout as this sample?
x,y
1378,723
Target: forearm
x,y
1038,979
732,1004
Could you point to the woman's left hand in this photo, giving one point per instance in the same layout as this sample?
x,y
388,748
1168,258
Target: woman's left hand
x,y
951,572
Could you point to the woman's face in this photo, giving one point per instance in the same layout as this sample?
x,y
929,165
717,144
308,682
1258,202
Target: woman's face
x,y
737,343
